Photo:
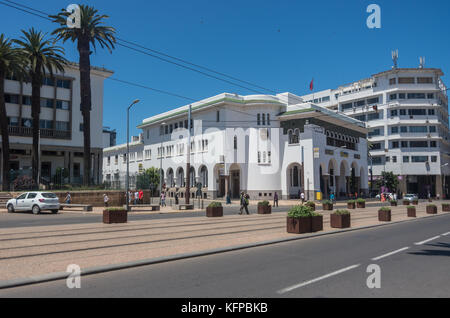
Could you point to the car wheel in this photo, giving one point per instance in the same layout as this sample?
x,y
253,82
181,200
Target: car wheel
x,y
36,209
10,208
55,211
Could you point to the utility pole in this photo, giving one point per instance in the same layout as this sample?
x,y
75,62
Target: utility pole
x,y
127,181
188,159
161,177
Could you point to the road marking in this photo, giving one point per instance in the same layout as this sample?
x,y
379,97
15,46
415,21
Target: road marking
x,y
445,234
389,254
288,289
430,239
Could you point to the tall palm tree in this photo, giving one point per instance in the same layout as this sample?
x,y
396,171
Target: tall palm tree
x,y
92,30
11,62
42,57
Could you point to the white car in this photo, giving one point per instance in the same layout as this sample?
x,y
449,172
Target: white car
x,y
410,197
34,201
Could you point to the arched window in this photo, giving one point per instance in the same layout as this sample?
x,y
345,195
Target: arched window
x,y
268,119
263,119
258,119
295,176
235,142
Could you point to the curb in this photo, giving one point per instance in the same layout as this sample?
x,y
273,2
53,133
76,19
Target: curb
x,y
108,268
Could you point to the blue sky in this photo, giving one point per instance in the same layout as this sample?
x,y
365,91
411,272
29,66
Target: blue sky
x,y
279,45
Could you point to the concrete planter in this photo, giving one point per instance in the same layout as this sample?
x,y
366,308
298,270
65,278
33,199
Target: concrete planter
x,y
339,221
327,206
361,205
431,209
411,211
384,216
316,223
351,205
445,207
298,225
405,202
393,203
264,209
115,216
214,211
415,202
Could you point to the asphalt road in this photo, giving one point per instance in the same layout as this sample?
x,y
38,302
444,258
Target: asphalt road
x,y
414,259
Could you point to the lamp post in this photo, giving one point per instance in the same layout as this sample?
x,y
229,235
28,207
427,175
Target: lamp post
x,y
161,177
444,188
127,181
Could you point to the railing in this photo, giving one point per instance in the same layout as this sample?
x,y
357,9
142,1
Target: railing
x,y
45,133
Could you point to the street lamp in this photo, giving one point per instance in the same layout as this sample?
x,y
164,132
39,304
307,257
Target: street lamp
x,y
127,182
444,187
161,178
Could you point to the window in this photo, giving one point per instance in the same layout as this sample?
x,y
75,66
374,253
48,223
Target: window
x,y
394,113
161,130
402,112
11,99
48,81
268,119
13,121
431,112
373,116
375,132
81,127
258,119
347,106
148,133
108,162
235,142
418,144
376,146
406,80
360,103
419,158
432,129
394,130
63,83
403,129
393,96
45,102
263,119
404,144
433,144
26,100
170,128
377,160
424,80
259,156
62,125
392,81
27,122
31,195
395,144
387,159
417,129
372,100
405,158
186,124
116,159
45,124
417,112
430,96
62,104
394,159
401,96
166,129
361,117
218,116
416,95
433,158
269,159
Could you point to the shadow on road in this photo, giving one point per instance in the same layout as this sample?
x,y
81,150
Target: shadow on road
x,y
435,252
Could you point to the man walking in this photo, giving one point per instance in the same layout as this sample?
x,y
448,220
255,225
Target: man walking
x,y
244,203
141,196
105,200
302,196
275,199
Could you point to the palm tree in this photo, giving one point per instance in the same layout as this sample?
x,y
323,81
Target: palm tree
x,y
91,31
42,57
10,63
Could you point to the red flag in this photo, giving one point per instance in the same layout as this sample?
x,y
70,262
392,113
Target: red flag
x,y
311,85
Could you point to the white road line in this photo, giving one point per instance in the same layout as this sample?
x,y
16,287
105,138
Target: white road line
x,y
389,254
288,289
445,234
430,239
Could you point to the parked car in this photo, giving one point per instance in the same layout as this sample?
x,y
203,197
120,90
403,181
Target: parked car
x,y
387,195
34,201
410,197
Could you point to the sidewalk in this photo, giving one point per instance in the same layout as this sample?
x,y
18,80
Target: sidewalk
x,y
27,252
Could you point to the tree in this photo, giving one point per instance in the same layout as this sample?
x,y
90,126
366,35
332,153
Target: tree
x,y
91,31
11,63
389,180
148,179
41,57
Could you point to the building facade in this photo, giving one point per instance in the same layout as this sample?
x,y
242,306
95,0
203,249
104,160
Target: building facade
x,y
61,126
406,113
259,144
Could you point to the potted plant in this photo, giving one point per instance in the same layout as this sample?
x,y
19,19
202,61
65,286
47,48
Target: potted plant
x,y
311,204
411,211
316,222
299,219
340,219
115,215
445,207
384,214
431,209
405,202
360,203
415,201
214,209
393,202
327,205
264,207
351,204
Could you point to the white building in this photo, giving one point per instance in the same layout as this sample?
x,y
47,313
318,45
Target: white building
x,y
406,111
259,144
61,125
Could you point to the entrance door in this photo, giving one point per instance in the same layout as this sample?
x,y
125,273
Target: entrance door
x,y
221,187
236,184
46,171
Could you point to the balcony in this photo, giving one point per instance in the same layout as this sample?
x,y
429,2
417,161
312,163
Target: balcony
x,y
45,133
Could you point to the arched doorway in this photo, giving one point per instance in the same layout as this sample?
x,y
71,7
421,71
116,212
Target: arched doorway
x,y
344,175
180,177
203,174
294,180
170,178
235,180
332,178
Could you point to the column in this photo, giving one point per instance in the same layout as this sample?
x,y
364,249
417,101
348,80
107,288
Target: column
x,y
439,188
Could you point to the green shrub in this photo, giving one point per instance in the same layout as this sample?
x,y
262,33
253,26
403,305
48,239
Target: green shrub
x,y
300,211
431,205
311,204
327,202
264,203
342,212
407,201
385,208
393,201
313,213
410,207
215,204
351,201
360,200
445,205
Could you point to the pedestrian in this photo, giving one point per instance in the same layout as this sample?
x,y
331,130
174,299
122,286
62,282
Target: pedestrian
x,y
275,199
302,196
395,196
176,197
228,198
332,197
299,193
356,195
105,200
141,196
136,197
163,198
437,196
68,198
130,197
244,202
